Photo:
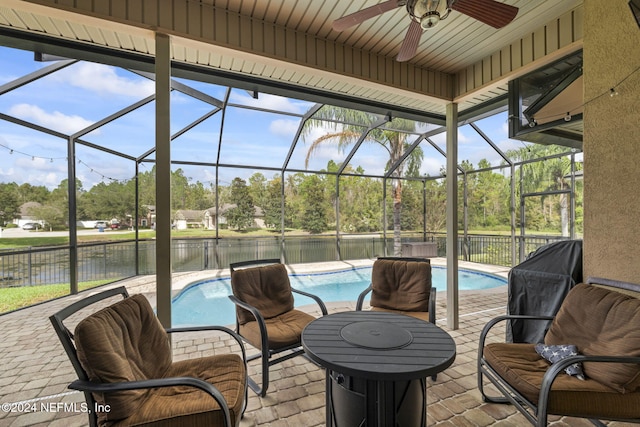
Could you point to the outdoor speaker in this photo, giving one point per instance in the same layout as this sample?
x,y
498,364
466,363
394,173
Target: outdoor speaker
x,y
635,9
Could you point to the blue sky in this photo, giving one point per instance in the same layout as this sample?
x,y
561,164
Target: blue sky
x,y
77,96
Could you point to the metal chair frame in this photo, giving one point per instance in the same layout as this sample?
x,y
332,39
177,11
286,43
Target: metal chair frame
x,y
88,387
536,412
432,292
267,354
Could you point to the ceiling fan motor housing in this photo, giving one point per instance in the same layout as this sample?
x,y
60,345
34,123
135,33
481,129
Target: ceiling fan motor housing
x,y
425,12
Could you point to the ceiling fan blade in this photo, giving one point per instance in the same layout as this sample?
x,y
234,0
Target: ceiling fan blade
x,y
360,16
489,12
410,43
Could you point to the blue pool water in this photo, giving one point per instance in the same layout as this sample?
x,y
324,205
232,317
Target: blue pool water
x,y
206,302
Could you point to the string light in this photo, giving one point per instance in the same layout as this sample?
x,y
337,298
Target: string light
x,y
612,92
51,159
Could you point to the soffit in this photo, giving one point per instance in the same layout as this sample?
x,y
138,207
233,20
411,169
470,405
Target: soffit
x,y
452,46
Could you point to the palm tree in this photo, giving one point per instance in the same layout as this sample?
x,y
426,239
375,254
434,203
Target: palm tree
x,y
347,126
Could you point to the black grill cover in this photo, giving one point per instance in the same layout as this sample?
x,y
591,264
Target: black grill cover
x,y
539,284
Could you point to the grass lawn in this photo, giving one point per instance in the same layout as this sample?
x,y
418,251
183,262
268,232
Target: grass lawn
x,y
23,296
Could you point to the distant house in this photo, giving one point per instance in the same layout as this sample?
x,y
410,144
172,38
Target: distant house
x,y
187,218
26,214
210,216
150,218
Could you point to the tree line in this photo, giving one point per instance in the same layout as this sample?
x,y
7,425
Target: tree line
x,y
311,201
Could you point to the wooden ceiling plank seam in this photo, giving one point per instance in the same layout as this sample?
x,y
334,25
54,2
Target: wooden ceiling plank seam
x,y
516,55
134,11
44,24
552,37
487,65
221,27
578,22
302,49
28,21
496,69
187,20
80,31
527,49
478,77
63,28
119,8
319,50
110,38
539,43
99,7
125,41
565,30
208,23
96,36
505,62
150,12
257,36
269,40
290,44
165,15
3,20
178,52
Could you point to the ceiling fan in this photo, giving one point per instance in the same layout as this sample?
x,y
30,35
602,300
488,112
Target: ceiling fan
x,y
426,14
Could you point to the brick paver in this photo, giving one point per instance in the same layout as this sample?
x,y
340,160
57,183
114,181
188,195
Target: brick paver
x,y
36,371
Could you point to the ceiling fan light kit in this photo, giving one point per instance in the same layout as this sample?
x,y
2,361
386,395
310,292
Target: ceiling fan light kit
x,y
426,14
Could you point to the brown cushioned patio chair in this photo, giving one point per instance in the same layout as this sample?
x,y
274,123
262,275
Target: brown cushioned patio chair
x,y
402,285
265,313
122,356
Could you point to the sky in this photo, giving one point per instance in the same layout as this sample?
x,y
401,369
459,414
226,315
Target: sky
x,y
75,97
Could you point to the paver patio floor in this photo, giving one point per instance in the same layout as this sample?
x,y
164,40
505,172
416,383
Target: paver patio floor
x,y
36,370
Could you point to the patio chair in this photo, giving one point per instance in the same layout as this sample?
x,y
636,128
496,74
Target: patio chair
x,y
402,285
122,356
265,313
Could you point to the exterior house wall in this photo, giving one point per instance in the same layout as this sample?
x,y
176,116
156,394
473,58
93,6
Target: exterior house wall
x,y
611,140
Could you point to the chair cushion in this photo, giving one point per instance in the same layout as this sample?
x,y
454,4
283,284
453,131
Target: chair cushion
x,y
601,322
123,342
401,285
282,331
187,406
523,369
422,315
266,288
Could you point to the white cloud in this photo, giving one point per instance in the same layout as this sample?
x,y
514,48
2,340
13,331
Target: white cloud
x,y
56,120
104,80
284,127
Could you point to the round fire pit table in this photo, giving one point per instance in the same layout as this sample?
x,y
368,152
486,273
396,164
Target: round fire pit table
x,y
377,364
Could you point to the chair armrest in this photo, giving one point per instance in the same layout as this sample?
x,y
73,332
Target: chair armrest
x,y
234,335
361,297
316,298
432,305
558,367
264,336
493,322
89,386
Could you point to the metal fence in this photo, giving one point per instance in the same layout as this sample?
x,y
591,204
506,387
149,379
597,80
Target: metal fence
x,y
116,260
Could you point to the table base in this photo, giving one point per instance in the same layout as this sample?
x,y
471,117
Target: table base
x,y
353,402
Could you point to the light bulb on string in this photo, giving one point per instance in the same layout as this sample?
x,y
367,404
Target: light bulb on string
x,y
567,118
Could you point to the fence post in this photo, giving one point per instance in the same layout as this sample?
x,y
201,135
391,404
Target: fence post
x,y
206,254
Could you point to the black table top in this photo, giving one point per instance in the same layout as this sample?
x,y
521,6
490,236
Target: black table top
x,y
378,346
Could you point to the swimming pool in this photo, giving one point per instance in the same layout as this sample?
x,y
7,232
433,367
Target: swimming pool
x,y
206,302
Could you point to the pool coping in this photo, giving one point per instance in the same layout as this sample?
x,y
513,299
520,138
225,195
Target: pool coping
x,y
182,281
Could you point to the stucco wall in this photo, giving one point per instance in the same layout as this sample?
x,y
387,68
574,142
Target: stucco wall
x,y
611,141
